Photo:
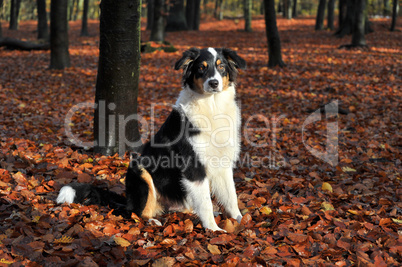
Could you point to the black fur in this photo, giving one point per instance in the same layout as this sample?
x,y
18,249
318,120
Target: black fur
x,y
170,142
93,195
136,190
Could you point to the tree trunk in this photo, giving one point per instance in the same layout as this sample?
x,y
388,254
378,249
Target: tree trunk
x,y
386,10
15,44
348,19
159,23
289,12
394,14
84,25
14,13
218,13
150,13
59,56
193,14
294,10
287,9
71,4
76,9
115,120
330,15
358,38
342,9
176,20
197,15
43,31
1,29
280,6
319,22
271,29
247,15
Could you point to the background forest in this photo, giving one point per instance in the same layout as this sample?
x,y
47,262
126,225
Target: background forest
x,y
299,210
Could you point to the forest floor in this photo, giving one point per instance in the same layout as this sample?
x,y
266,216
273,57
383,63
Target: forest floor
x,y
301,206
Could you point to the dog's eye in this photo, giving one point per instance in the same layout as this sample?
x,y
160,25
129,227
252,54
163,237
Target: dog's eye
x,y
221,67
201,67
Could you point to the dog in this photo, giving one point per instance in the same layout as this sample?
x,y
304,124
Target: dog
x,y
194,152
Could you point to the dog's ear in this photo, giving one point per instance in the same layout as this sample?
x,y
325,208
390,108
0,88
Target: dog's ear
x,y
188,57
233,58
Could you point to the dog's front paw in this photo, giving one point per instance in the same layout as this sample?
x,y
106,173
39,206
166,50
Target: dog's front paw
x,y
216,229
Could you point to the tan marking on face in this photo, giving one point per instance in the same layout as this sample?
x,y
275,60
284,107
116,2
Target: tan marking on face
x,y
205,64
218,62
199,85
225,82
152,207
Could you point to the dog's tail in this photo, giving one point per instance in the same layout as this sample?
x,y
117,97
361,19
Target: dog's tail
x,y
87,194
140,192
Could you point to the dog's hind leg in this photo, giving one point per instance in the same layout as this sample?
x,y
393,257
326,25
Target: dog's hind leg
x,y
199,198
141,193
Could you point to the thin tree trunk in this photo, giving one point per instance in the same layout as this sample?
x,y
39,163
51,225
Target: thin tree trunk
x,y
14,14
71,4
358,38
158,25
342,9
150,13
84,25
218,13
193,8
348,20
294,10
247,15
115,120
287,9
319,23
330,15
76,10
216,8
394,14
43,31
1,29
59,56
197,15
386,10
176,20
190,9
271,29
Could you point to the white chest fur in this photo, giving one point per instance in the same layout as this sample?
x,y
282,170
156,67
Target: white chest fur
x,y
217,116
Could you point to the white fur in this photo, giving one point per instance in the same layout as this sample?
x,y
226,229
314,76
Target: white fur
x,y
66,195
199,198
217,116
213,52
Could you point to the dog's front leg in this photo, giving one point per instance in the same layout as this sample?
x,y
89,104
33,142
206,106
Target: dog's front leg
x,y
199,198
224,189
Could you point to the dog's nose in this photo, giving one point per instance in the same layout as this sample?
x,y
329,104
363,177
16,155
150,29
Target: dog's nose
x,y
213,83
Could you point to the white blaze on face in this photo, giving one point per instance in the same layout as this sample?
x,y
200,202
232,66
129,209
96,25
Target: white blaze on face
x,y
217,76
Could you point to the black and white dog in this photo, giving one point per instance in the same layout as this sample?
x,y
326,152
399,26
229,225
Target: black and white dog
x,y
193,153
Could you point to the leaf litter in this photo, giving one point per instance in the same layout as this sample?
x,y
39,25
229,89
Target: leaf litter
x,y
298,210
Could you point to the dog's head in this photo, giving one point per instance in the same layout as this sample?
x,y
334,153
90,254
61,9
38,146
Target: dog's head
x,y
209,70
